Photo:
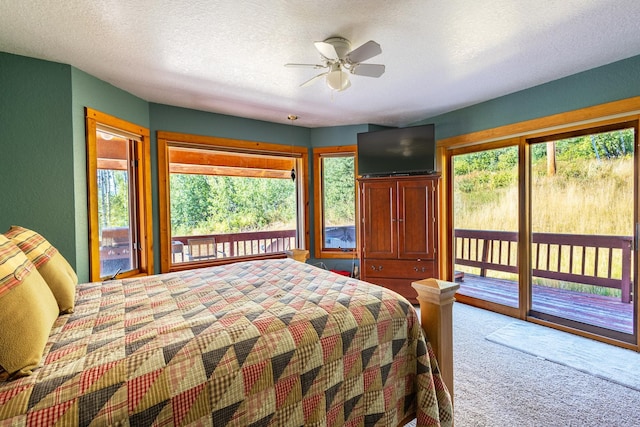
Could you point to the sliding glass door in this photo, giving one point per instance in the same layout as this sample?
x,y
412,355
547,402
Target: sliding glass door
x,y
485,215
582,192
544,227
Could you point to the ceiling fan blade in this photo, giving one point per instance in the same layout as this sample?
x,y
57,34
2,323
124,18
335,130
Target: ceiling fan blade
x,y
364,52
313,79
369,70
327,50
316,66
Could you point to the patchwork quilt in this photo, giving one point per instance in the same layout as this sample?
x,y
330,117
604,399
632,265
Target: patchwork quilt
x,y
261,343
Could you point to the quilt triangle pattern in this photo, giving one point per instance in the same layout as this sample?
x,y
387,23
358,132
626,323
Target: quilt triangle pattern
x,y
279,363
148,416
92,402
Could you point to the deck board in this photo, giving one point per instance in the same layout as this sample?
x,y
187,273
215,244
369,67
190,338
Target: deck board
x,y
606,312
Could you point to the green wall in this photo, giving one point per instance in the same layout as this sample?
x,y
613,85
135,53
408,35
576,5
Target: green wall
x,y
336,135
36,149
184,120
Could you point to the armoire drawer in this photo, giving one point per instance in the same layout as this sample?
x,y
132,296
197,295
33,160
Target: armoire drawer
x,y
405,269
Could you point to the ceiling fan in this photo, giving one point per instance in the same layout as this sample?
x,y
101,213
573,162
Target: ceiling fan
x,y
340,61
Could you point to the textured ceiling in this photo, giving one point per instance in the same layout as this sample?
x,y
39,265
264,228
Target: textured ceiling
x,y
228,56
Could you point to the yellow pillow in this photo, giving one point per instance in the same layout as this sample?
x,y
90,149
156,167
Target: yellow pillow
x,y
53,267
28,311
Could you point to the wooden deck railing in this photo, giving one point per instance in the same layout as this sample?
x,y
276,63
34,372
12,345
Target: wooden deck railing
x,y
212,246
587,259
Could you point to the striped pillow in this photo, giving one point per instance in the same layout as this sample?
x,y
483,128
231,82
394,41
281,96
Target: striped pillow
x,y
14,267
53,267
28,311
34,246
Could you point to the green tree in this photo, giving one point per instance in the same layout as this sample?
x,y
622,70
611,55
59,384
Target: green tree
x,y
202,204
113,198
190,201
338,189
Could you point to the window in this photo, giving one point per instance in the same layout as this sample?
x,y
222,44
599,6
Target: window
x,y
119,197
335,206
223,200
485,215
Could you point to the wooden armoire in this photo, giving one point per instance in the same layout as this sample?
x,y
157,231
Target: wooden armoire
x,y
399,231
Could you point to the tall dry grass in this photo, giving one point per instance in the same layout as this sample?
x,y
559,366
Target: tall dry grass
x,y
583,197
598,200
586,197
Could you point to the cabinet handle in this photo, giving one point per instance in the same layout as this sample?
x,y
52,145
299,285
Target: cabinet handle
x,y
419,269
400,219
379,268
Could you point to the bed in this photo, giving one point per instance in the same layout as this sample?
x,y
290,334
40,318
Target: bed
x,y
259,343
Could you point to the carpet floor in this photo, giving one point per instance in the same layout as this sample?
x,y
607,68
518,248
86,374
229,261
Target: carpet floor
x,y
497,385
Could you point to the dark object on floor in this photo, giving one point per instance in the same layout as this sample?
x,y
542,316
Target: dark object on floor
x,y
342,272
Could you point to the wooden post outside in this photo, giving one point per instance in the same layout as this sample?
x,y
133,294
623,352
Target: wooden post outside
x,y
436,299
551,158
487,248
625,283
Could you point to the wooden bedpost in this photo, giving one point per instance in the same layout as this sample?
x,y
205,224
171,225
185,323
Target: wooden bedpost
x,y
436,299
301,255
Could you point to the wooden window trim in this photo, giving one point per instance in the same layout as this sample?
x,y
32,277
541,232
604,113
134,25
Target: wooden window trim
x,y
143,207
166,140
318,155
612,111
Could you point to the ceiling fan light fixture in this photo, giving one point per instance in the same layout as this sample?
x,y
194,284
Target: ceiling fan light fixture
x,y
340,61
337,78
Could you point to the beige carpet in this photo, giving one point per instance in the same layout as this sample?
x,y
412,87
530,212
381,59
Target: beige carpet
x,y
497,386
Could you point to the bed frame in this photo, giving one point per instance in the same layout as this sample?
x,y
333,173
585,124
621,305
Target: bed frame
x,y
436,299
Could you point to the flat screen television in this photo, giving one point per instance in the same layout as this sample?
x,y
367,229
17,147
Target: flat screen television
x,y
401,151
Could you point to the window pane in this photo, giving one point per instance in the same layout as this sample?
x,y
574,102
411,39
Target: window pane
x,y
582,223
339,203
114,208
485,216
230,206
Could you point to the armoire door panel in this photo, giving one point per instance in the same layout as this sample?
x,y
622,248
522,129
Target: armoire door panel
x,y
379,237
416,219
